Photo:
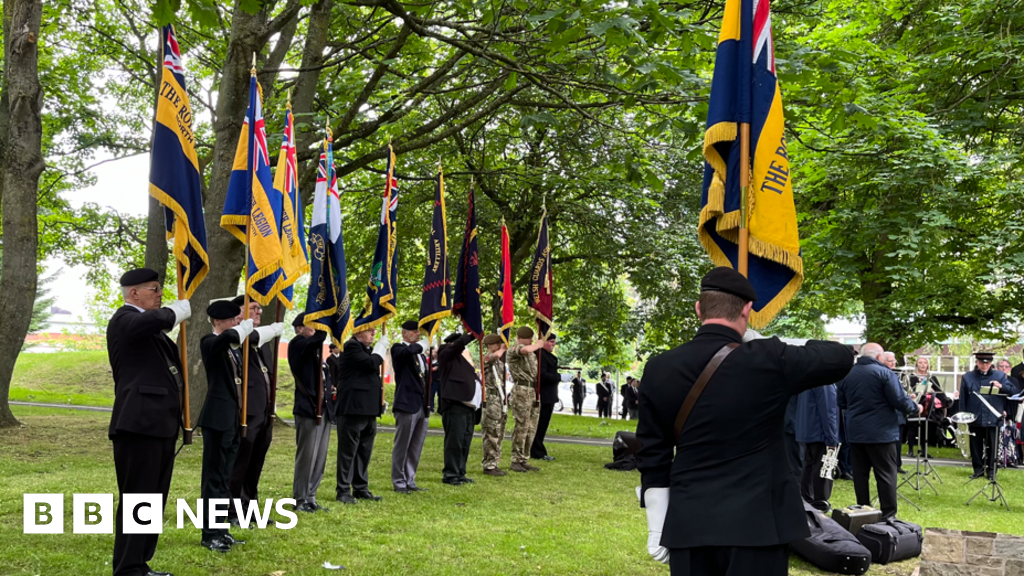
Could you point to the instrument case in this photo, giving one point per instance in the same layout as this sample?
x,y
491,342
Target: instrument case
x,y
892,540
830,547
853,518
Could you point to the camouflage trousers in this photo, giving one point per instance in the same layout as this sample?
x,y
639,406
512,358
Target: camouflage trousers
x,y
493,427
526,414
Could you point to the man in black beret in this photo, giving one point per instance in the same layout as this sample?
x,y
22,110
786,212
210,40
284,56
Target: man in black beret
x,y
550,379
412,373
220,418
460,399
727,466
147,414
312,436
252,451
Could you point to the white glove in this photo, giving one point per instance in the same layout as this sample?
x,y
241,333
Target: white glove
x,y
752,334
268,333
244,328
795,341
656,503
566,377
182,311
382,345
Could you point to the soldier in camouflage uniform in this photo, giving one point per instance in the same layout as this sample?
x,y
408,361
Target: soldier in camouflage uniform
x,y
522,364
495,416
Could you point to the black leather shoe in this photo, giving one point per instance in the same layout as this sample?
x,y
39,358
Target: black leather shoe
x,y
417,489
230,540
216,544
366,495
977,475
306,507
403,490
319,508
347,499
452,482
548,458
155,573
465,480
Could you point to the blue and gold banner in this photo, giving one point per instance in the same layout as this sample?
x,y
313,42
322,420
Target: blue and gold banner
x,y
745,90
436,302
327,302
251,198
467,277
294,259
174,178
381,289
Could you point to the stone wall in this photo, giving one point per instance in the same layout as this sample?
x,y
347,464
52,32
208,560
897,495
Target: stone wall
x,y
963,553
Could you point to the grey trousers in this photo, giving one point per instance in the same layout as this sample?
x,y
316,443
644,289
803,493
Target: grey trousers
x,y
311,443
410,432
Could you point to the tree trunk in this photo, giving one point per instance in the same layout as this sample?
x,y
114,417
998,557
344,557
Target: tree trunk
x,y
874,291
226,253
23,166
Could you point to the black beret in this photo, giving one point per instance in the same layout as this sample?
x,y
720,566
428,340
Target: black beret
x,y
452,337
240,300
139,276
492,339
524,332
299,320
552,337
410,325
723,279
222,310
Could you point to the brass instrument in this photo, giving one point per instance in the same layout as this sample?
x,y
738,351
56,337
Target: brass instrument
x,y
830,462
961,420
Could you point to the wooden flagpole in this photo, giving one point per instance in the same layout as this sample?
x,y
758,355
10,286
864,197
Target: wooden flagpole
x,y
245,310
278,317
183,350
483,377
744,240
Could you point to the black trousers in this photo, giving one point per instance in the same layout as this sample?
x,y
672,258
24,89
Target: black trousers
x,y
143,465
815,490
577,406
983,448
604,409
220,448
881,457
899,448
729,561
796,456
457,420
252,453
537,449
355,447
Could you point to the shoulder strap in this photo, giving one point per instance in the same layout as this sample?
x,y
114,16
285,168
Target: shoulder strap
x,y
700,384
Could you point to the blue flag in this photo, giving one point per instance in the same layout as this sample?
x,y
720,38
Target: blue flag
x,y
381,288
436,302
327,302
467,277
174,178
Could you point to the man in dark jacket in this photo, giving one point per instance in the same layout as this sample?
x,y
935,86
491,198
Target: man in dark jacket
x,y
312,434
410,409
147,405
734,505
333,364
870,397
817,429
360,403
220,416
459,400
631,398
604,396
549,381
986,425
579,392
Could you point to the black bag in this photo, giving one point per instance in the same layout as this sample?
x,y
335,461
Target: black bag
x,y
830,547
624,449
853,518
892,540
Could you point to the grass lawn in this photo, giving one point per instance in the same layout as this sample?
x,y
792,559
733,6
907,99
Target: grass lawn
x,y
574,517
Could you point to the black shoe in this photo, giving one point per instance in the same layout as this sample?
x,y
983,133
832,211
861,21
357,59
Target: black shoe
x,y
318,508
900,470
846,476
548,458
417,489
216,544
403,490
977,475
910,453
452,481
234,522
155,573
347,499
230,540
465,480
366,495
306,507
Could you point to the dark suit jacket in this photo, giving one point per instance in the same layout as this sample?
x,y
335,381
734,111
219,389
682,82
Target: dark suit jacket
x,y
304,361
223,406
360,389
871,399
458,378
631,397
549,377
410,387
147,373
260,355
579,389
730,479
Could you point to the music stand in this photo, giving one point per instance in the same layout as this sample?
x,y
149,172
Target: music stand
x,y
916,478
992,490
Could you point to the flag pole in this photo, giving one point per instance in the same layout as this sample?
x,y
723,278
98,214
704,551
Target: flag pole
x,y
278,317
245,310
483,377
183,350
744,239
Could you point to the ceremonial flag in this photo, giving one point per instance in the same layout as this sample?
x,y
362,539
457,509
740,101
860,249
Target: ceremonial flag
x,y
294,258
436,302
745,90
252,198
381,289
174,178
327,302
542,290
508,314
467,277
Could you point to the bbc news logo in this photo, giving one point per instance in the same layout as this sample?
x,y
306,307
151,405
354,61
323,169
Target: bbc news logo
x,y
143,513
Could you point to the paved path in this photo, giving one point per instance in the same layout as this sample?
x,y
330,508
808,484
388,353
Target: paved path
x,y
604,442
